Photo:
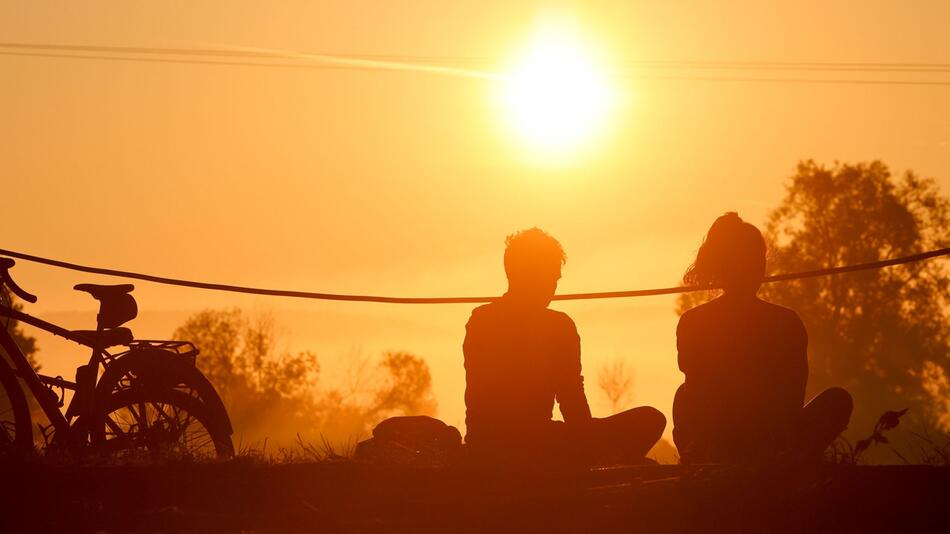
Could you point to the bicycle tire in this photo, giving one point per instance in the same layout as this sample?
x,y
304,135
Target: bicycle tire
x,y
14,415
124,431
160,368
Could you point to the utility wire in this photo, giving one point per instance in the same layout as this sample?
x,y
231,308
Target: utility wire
x,y
467,72
457,65
834,81
686,64
460,300
315,61
191,61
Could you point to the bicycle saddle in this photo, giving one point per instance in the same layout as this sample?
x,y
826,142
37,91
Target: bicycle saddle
x,y
99,291
103,339
116,305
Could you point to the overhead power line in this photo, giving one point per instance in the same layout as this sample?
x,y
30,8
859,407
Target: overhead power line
x,y
469,60
459,300
469,73
833,81
480,67
187,61
227,57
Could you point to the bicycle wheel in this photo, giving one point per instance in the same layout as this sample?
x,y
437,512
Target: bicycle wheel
x,y
16,429
160,369
162,423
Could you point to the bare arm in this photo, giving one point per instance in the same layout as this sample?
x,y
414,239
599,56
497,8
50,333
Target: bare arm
x,y
570,393
799,363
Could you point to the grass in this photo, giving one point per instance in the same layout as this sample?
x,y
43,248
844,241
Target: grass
x,y
302,452
318,486
250,494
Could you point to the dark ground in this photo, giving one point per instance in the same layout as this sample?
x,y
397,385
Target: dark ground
x,y
248,496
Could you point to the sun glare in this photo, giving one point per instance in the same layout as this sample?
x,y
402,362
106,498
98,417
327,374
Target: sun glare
x,y
555,96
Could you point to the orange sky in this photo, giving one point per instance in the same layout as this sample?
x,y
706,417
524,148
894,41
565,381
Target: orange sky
x,y
406,183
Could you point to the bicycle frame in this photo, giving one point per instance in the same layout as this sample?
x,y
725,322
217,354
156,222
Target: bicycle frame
x,y
37,383
167,364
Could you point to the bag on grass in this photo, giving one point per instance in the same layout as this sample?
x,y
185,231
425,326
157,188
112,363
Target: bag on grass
x,y
412,440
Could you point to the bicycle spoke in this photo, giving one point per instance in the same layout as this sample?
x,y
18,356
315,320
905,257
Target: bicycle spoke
x,y
113,426
155,425
144,417
7,432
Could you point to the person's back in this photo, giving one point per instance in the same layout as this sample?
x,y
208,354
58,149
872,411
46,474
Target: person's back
x,y
518,360
750,356
745,363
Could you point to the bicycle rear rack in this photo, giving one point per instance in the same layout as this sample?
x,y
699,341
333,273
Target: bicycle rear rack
x,y
182,348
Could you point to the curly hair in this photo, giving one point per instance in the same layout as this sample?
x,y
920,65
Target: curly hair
x,y
528,250
733,253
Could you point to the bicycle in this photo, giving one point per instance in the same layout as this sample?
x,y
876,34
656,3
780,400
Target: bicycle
x,y
149,398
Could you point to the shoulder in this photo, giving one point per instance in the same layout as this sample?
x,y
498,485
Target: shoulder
x,y
710,306
559,318
483,312
776,310
562,330
559,322
697,313
786,317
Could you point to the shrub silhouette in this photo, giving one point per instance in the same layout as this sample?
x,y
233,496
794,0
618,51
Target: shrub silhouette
x,y
25,342
275,396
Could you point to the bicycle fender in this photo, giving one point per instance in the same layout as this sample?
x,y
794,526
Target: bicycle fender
x,y
161,368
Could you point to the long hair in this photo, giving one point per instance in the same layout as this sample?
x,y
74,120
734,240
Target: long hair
x,y
732,254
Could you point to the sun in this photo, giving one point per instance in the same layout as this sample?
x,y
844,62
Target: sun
x,y
555,95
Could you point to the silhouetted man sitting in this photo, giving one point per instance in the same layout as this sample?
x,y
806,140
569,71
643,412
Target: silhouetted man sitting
x,y
746,364
521,356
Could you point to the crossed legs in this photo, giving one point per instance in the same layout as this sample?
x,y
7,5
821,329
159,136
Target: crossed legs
x,y
625,437
700,436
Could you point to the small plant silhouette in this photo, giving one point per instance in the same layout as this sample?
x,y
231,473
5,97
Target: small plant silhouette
x,y
616,383
888,421
843,452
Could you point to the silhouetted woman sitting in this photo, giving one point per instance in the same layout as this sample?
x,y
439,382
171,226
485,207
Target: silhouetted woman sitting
x,y
746,364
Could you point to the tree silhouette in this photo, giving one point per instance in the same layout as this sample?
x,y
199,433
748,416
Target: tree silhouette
x,y
882,334
275,395
616,383
399,384
407,386
25,342
267,395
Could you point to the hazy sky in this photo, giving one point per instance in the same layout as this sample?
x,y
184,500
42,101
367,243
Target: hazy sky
x,y
406,183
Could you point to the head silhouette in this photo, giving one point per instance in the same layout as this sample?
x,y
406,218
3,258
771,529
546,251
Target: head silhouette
x,y
732,257
533,261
